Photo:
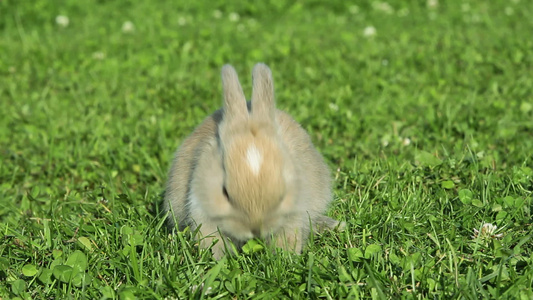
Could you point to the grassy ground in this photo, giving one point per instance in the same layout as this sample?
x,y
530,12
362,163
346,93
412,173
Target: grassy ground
x,y
424,112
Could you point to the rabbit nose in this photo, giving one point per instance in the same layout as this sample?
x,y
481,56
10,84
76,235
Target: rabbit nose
x,y
256,232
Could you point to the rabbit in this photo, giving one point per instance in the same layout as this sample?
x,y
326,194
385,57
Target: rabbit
x,y
249,171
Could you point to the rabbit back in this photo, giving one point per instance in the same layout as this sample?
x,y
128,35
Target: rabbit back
x,y
315,179
176,202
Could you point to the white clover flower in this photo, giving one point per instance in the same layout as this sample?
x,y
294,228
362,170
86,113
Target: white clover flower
x,y
406,141
128,27
432,3
354,9
369,31
234,17
182,21
333,106
217,14
488,231
383,6
201,286
98,55
62,21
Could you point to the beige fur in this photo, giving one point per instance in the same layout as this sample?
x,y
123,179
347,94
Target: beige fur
x,y
290,189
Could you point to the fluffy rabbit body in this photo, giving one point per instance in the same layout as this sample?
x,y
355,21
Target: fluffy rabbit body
x,y
249,170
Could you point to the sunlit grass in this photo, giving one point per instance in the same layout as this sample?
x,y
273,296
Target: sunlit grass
x,y
423,111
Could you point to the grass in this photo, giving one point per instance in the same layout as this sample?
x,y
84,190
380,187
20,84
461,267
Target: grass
x,y
427,126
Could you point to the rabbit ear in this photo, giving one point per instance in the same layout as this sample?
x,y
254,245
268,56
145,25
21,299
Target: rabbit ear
x,y
263,103
234,100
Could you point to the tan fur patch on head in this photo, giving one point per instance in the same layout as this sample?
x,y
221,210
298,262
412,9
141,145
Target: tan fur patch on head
x,y
254,173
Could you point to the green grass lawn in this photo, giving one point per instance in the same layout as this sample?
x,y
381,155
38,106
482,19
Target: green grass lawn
x,y
424,112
